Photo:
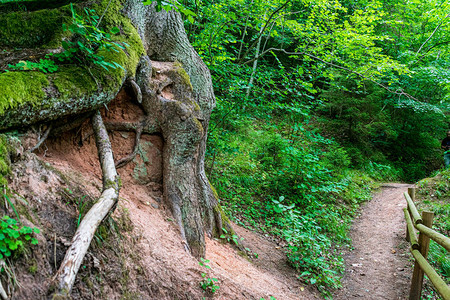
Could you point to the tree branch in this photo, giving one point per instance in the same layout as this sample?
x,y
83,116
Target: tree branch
x,y
399,93
264,28
436,29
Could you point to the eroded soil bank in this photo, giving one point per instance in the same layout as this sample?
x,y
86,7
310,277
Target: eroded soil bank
x,y
150,262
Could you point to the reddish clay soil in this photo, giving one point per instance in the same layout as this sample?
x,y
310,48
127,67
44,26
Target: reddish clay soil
x,y
378,266
171,272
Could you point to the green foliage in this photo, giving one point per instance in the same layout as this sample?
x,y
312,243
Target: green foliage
x,y
172,5
282,178
434,195
208,284
90,39
311,109
12,236
81,205
44,66
226,236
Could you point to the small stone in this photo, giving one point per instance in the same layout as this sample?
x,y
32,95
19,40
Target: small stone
x,y
155,205
96,262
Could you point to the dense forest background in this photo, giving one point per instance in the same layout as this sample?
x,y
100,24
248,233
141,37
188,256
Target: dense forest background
x,y
317,101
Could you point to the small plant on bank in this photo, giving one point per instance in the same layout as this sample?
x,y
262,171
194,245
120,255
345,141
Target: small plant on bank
x,y
85,49
89,41
12,236
226,236
208,284
44,66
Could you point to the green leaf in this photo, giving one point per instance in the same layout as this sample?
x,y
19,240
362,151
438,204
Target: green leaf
x,y
115,30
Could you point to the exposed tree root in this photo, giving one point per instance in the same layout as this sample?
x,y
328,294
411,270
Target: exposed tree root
x,y
136,90
42,139
147,126
65,277
125,160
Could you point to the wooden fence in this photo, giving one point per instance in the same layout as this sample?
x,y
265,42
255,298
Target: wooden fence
x,y
419,248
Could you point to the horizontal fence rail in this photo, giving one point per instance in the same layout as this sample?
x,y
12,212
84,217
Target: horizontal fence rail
x,y
419,248
435,236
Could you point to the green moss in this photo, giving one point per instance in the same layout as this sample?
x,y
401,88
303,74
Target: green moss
x,y
38,29
74,82
183,74
4,160
115,18
19,87
23,98
213,189
198,124
61,296
225,221
32,268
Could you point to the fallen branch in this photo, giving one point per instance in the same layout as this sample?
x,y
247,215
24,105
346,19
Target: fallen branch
x,y
3,294
65,277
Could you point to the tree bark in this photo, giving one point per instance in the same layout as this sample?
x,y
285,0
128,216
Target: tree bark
x,y
183,117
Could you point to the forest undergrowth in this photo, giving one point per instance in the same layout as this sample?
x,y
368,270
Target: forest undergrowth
x,y
434,195
318,103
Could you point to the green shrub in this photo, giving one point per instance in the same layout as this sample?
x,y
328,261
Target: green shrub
x,y
12,236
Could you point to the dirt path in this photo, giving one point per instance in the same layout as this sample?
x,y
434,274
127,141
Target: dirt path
x,y
378,267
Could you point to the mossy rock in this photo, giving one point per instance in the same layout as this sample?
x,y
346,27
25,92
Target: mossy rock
x,y
29,97
32,5
37,29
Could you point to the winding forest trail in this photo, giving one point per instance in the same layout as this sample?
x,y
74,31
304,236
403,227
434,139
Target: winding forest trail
x,y
378,267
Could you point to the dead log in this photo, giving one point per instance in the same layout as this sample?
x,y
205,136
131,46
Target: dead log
x,y
3,294
65,277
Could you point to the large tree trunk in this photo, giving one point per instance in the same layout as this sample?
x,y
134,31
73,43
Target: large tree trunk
x,y
180,98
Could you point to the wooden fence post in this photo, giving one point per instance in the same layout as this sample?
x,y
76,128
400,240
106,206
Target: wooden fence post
x,y
412,194
424,243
